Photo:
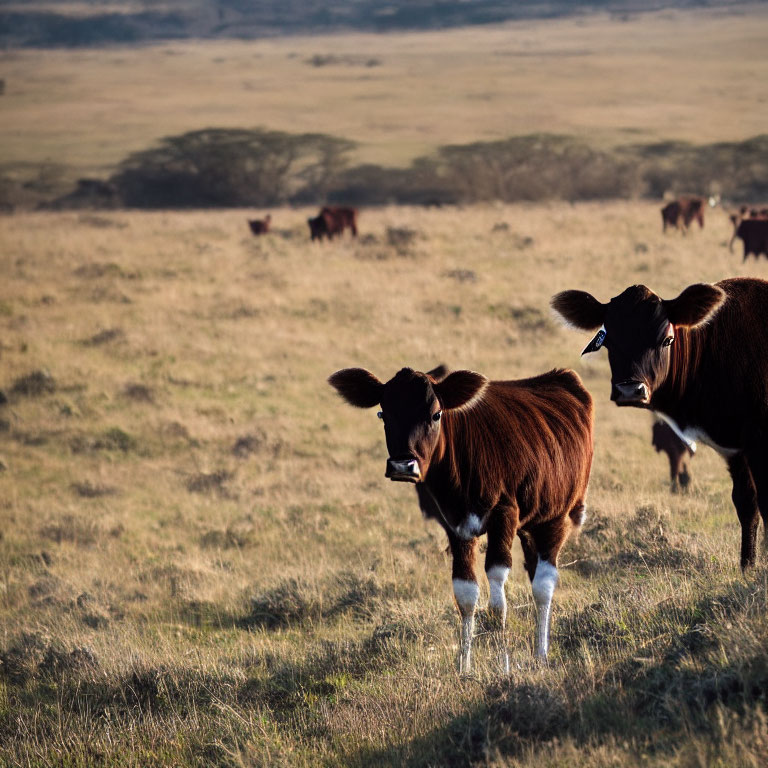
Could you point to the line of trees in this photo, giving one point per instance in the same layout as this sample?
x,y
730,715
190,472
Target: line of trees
x,y
260,168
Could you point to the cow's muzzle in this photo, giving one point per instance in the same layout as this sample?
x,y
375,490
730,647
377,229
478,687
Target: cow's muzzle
x,y
404,470
630,393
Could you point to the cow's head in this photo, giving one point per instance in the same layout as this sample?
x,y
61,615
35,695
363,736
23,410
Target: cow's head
x,y
638,329
412,407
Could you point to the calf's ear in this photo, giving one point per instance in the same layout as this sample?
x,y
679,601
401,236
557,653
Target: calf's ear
x,y
579,309
697,304
357,386
438,373
460,389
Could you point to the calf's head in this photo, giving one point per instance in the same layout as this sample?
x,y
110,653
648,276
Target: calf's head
x,y
412,407
638,329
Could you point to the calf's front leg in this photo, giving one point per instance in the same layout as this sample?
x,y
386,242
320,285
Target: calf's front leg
x,y
466,592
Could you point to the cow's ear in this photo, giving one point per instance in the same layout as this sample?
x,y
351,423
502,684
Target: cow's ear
x,y
460,389
438,373
357,386
695,305
579,309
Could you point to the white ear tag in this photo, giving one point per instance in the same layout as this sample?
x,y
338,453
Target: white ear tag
x,y
596,343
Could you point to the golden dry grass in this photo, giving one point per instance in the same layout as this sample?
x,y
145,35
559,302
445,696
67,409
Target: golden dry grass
x,y
693,75
201,562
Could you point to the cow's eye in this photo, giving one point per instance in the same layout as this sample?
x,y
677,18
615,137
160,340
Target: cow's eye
x,y
668,341
380,414
436,415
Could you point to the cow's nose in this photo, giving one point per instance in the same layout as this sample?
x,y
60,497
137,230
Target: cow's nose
x,y
630,393
406,470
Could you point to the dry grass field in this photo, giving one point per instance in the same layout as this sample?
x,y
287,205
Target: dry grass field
x,y
695,76
201,562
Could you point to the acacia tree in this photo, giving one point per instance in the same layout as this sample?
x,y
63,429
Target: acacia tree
x,y
230,167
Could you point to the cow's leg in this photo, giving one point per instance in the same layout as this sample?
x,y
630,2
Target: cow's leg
x,y
683,475
758,465
548,540
498,561
466,592
674,468
744,497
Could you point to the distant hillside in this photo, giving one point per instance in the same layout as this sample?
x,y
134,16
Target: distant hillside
x,y
63,23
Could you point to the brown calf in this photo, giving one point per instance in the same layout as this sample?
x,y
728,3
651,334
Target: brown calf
x,y
260,226
501,458
681,212
338,218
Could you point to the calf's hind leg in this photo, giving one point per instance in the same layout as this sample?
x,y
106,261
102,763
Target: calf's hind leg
x,y
498,561
545,543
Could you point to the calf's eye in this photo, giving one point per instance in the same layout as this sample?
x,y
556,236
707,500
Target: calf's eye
x,y
668,341
380,414
436,416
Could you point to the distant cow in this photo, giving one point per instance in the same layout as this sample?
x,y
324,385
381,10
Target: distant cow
x,y
318,228
663,438
751,226
701,360
504,458
681,212
260,226
338,218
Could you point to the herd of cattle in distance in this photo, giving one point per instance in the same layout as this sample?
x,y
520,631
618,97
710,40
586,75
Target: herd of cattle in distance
x,y
513,458
750,224
330,222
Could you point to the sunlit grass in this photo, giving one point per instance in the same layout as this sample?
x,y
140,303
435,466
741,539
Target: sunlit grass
x,y
201,562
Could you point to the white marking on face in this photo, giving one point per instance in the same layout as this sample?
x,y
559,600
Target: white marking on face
x,y
466,593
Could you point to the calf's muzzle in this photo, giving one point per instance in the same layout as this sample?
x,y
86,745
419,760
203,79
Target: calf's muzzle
x,y
404,470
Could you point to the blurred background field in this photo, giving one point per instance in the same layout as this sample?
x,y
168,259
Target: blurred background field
x,y
664,99
201,562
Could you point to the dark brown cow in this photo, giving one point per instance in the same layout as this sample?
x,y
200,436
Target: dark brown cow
x,y
700,360
681,212
501,458
664,438
260,226
752,230
318,228
338,218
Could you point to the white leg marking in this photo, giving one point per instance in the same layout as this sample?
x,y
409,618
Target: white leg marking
x,y
497,576
466,593
544,583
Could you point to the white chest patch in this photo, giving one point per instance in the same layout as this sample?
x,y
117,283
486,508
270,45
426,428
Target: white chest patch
x,y
470,528
691,434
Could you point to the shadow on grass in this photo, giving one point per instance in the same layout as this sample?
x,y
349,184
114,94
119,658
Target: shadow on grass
x,y
651,704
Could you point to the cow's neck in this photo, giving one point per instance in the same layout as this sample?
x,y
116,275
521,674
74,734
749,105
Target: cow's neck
x,y
674,397
455,476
